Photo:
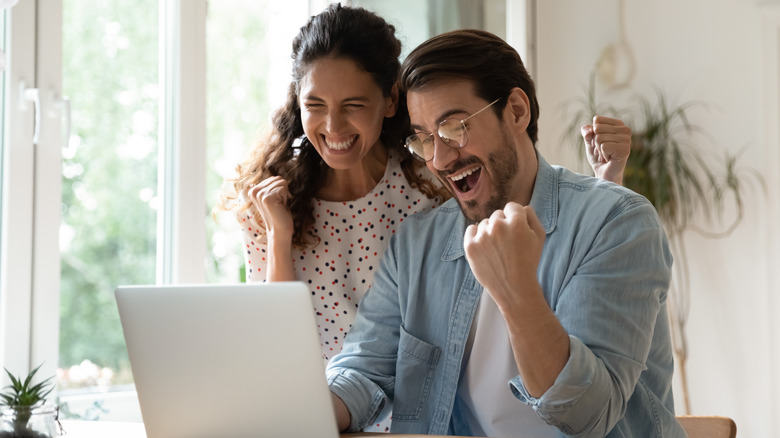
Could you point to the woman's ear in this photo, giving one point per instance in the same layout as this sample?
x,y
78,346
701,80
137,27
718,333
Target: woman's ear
x,y
392,102
519,108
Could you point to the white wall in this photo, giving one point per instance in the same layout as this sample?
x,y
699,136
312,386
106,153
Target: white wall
x,y
724,52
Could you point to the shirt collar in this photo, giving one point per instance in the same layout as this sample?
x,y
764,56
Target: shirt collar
x,y
544,199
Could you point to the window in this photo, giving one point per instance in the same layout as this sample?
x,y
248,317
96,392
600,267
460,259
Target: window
x,y
117,165
128,184
247,78
108,233
416,21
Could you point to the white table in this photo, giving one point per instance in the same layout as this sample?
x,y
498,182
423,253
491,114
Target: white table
x,y
102,429
116,429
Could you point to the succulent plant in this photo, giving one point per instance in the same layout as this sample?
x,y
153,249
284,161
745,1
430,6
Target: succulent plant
x,y
20,398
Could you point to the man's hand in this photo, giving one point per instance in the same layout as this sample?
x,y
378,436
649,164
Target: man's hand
x,y
504,251
343,418
607,146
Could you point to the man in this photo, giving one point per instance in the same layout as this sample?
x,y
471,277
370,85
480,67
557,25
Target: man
x,y
531,304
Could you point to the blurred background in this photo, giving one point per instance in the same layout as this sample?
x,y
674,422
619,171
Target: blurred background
x,y
122,120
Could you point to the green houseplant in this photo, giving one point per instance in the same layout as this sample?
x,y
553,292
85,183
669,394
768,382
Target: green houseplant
x,y
684,180
23,408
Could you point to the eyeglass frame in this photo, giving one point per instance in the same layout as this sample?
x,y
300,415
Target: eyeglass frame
x,y
447,141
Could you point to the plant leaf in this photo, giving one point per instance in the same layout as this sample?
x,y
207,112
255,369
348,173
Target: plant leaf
x,y
22,393
667,163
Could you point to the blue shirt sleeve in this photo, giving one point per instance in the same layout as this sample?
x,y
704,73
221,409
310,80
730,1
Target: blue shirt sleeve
x,y
609,304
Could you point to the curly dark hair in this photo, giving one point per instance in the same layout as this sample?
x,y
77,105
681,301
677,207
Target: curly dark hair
x,y
338,31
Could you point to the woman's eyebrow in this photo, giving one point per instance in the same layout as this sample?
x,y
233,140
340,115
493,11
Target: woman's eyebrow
x,y
314,97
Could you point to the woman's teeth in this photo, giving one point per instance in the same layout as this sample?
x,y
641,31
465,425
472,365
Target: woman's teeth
x,y
341,145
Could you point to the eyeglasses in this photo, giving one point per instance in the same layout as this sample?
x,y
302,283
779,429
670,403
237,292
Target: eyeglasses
x,y
452,132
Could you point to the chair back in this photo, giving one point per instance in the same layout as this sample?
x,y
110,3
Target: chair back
x,y
697,426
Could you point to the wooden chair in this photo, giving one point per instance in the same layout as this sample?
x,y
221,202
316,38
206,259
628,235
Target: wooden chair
x,y
697,426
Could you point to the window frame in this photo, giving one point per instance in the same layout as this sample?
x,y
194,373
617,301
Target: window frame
x,y
182,178
22,343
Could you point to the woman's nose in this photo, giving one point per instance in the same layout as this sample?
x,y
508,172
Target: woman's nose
x,y
335,121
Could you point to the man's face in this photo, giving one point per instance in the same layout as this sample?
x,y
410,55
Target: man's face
x,y
497,164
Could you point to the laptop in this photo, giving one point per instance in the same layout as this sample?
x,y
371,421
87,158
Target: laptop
x,y
234,361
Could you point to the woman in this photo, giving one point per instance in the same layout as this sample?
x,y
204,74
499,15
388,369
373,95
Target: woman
x,y
320,208
329,186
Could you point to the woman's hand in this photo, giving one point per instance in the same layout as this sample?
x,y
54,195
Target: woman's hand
x,y
270,198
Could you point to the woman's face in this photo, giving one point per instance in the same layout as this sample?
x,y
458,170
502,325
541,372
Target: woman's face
x,y
342,109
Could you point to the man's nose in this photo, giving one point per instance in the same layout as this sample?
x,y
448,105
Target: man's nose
x,y
443,154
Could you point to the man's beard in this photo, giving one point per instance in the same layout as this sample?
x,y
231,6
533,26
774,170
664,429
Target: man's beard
x,y
503,165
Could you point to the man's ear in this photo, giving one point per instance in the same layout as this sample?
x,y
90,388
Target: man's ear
x,y
392,102
519,108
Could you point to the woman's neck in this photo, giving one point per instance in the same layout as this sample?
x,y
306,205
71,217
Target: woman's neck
x,y
354,183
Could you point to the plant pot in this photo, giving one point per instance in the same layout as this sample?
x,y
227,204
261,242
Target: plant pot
x,y
30,422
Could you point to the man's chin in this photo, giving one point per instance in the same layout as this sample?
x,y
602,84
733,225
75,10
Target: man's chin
x,y
476,212
472,211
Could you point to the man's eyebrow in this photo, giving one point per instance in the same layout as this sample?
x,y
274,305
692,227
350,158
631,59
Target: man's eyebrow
x,y
417,128
446,115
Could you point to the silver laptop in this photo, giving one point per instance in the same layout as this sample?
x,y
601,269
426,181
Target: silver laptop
x,y
226,360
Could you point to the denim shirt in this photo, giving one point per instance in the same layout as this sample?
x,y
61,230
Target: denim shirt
x,y
605,271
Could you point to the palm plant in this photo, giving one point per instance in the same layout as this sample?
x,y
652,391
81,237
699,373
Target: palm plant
x,y
21,397
678,176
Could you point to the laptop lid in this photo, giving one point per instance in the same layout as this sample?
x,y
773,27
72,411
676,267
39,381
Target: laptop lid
x,y
226,360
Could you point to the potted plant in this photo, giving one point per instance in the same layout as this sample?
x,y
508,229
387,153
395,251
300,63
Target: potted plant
x,y
682,179
23,409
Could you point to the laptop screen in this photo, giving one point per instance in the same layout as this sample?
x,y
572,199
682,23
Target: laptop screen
x,y
226,360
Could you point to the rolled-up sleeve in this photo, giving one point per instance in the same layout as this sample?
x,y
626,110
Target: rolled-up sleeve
x,y
363,398
608,302
580,378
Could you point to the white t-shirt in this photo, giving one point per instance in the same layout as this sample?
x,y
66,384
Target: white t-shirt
x,y
490,408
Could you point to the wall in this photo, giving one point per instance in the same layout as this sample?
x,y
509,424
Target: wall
x,y
724,52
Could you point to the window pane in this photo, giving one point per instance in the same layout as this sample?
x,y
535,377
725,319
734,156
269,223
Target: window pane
x,y
248,48
109,180
416,21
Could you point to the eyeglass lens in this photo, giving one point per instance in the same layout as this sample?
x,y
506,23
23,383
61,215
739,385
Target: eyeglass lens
x,y
451,131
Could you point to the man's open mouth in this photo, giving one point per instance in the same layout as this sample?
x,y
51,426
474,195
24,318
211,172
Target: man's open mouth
x,y
466,180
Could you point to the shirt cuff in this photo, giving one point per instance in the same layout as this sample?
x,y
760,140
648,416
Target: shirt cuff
x,y
573,383
364,402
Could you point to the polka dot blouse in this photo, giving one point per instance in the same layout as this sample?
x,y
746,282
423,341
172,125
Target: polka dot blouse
x,y
353,236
